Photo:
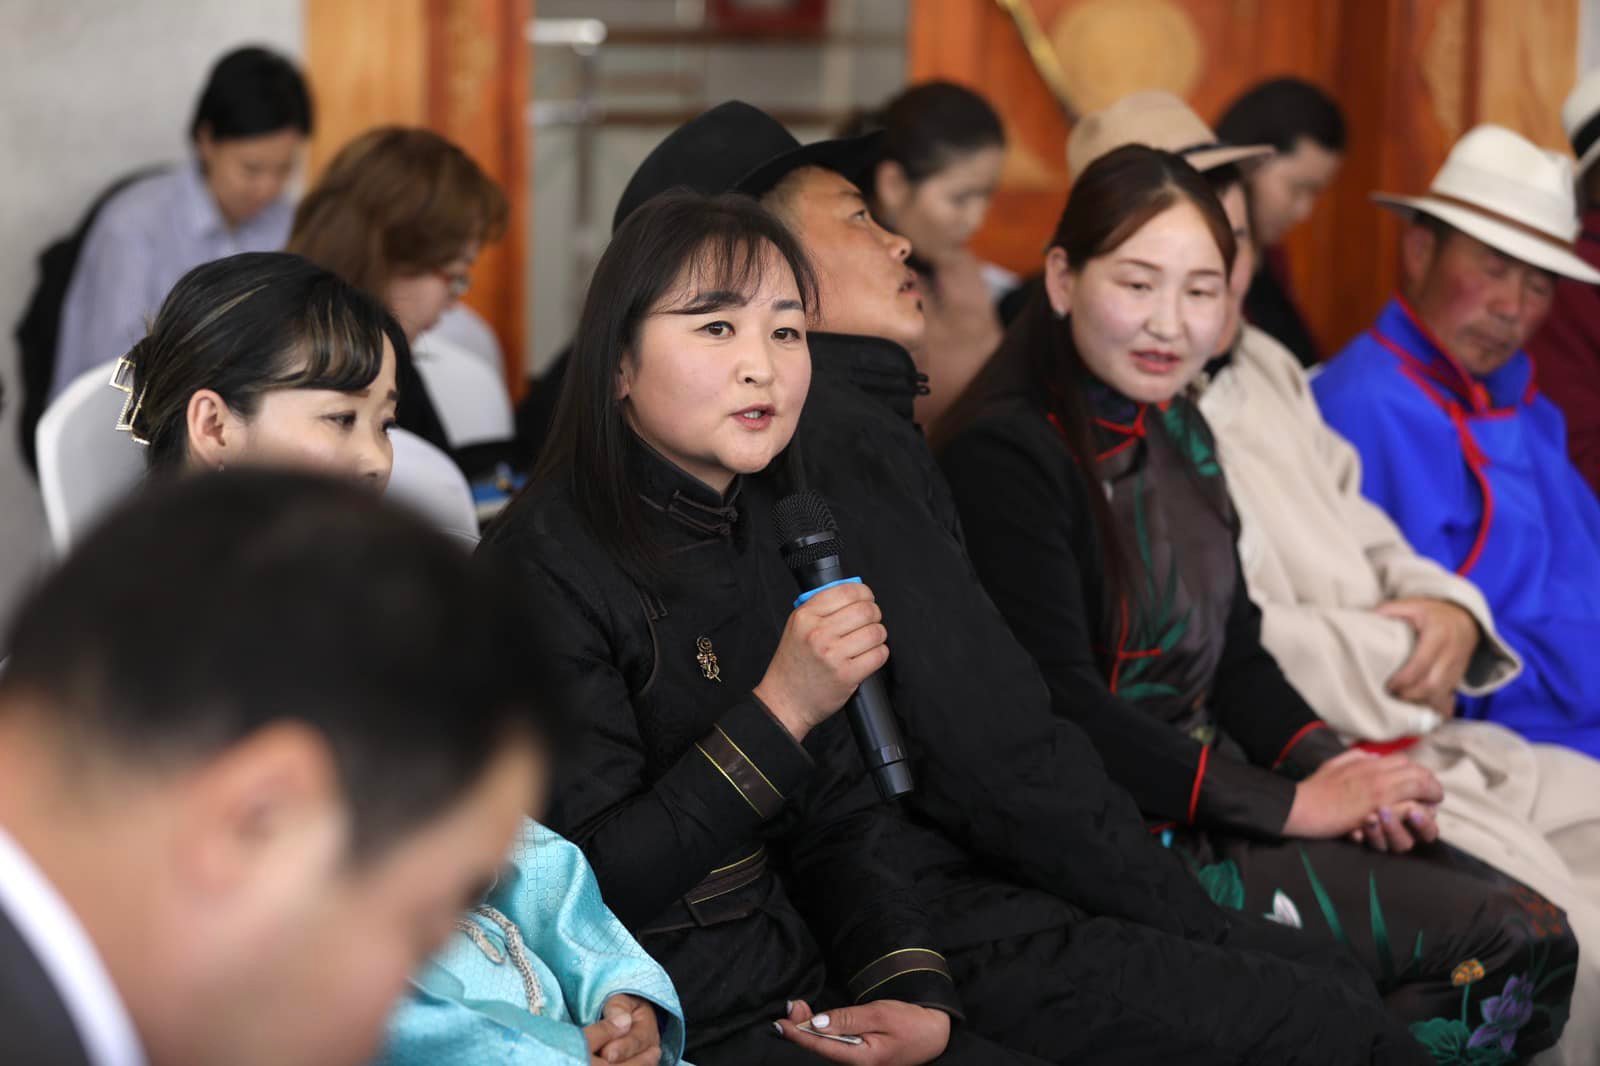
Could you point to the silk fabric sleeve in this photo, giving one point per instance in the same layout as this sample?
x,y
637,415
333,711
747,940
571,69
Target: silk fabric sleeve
x,y
564,920
1026,518
435,1030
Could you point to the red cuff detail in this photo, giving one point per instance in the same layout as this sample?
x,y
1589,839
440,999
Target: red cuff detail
x,y
1300,734
1199,776
1388,747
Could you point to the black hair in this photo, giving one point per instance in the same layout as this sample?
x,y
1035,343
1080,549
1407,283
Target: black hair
x,y
1441,230
208,608
721,243
252,92
247,325
1280,112
930,125
1038,360
1223,178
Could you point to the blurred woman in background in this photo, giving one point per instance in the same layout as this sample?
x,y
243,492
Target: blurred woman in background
x,y
942,147
248,131
402,214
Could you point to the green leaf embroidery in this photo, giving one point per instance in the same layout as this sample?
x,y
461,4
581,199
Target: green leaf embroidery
x,y
1141,690
1380,932
1154,625
1223,884
1182,429
1330,915
1446,1040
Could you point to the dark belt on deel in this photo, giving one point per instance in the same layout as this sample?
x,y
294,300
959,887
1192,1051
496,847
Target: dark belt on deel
x,y
713,900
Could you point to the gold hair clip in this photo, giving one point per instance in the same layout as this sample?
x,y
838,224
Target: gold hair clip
x,y
122,379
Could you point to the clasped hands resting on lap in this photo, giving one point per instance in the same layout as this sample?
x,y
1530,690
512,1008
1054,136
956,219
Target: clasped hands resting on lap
x,y
1384,801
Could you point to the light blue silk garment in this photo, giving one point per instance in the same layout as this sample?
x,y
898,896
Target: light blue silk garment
x,y
466,1007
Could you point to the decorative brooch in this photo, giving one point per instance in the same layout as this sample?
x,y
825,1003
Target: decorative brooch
x,y
706,656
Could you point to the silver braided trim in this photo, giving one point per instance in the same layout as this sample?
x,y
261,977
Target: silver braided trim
x,y
514,948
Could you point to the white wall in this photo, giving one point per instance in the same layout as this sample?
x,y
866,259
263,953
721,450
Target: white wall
x,y
90,89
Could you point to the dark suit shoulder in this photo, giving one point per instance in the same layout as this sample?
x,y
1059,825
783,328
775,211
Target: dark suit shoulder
x,y
38,1029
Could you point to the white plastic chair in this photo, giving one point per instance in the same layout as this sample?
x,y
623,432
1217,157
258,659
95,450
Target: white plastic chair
x,y
86,465
463,326
428,481
469,394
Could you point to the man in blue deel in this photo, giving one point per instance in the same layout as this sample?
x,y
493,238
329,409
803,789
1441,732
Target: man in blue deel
x,y
1456,442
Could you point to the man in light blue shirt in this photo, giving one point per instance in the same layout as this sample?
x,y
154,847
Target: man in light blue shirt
x,y
249,130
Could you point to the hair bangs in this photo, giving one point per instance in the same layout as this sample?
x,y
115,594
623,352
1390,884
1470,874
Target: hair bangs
x,y
729,266
1120,192
340,341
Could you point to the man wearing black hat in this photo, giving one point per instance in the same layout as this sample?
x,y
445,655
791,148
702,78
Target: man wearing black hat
x,y
1071,933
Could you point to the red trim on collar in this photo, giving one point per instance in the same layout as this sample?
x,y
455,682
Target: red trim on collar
x,y
1136,427
1458,380
1134,432
1476,462
1423,376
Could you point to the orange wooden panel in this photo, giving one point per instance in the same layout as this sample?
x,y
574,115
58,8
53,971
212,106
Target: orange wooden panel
x,y
458,67
366,62
1411,75
477,81
1528,62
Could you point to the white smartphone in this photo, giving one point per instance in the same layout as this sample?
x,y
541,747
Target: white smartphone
x,y
805,1027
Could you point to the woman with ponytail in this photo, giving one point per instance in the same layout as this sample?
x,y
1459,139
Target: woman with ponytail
x,y
941,149
265,358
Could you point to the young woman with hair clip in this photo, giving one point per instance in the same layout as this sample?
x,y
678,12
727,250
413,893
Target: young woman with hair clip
x,y
1097,515
942,149
266,359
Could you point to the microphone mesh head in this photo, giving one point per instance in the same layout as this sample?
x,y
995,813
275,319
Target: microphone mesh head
x,y
800,514
805,514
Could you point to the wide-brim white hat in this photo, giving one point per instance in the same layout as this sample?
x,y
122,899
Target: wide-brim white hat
x,y
1580,118
1512,195
1156,119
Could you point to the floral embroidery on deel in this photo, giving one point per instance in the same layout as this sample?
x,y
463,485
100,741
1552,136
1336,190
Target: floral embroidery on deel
x,y
1505,1015
1494,1041
1548,919
1284,912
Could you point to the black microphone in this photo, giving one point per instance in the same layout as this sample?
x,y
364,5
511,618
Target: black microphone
x,y
808,538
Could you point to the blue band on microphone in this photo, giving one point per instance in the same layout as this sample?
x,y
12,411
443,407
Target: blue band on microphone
x,y
804,596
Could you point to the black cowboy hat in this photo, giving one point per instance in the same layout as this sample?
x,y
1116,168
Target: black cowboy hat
x,y
738,148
